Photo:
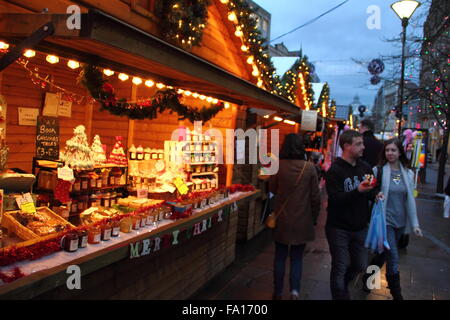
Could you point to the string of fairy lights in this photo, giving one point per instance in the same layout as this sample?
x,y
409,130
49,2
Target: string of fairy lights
x,y
73,64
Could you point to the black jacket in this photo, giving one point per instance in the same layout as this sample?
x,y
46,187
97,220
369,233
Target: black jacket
x,y
348,209
372,149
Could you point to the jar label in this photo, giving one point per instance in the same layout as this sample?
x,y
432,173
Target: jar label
x,y
97,238
83,242
107,234
99,183
143,222
76,186
93,183
73,245
84,185
137,224
115,231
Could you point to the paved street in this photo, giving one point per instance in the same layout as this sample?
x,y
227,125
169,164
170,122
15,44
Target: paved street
x,y
424,265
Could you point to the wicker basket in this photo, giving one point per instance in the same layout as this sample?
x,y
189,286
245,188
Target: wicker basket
x,y
23,232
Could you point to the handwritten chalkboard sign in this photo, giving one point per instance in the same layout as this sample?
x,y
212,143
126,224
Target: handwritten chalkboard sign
x,y
47,138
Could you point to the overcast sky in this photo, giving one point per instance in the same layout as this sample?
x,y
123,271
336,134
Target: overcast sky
x,y
334,39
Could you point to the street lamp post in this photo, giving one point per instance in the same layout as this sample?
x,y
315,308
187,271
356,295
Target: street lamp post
x,y
404,10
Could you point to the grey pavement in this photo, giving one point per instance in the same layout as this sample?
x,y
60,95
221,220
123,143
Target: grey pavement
x,y
424,264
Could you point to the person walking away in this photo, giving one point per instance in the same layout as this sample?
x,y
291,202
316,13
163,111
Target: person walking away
x,y
297,197
349,194
372,146
397,186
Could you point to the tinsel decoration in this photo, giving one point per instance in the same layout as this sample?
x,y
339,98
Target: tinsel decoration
x,y
376,67
163,100
375,80
183,22
15,274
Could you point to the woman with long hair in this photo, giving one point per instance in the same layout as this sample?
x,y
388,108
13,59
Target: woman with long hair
x,y
298,204
397,185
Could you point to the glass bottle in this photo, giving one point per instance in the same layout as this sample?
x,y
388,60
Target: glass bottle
x,y
94,235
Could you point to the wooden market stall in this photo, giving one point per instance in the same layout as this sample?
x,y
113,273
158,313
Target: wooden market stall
x,y
124,36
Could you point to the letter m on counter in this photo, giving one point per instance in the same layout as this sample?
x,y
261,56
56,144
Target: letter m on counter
x,y
134,250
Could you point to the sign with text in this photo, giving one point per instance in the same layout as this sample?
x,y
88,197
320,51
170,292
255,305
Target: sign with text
x,y
25,203
47,138
309,120
65,173
181,186
28,116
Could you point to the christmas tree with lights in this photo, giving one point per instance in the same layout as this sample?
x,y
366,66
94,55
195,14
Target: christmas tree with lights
x,y
98,151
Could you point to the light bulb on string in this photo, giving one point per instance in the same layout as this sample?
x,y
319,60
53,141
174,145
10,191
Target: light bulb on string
x,y
123,76
108,72
3,45
72,64
29,53
149,83
160,85
52,59
137,81
232,16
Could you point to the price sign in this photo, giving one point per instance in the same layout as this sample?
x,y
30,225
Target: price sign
x,y
181,186
65,173
26,203
47,138
142,193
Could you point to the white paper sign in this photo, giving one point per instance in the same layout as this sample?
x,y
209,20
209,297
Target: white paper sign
x,y
142,193
28,116
65,108
309,120
51,105
65,173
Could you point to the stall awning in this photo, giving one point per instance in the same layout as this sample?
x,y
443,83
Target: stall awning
x,y
112,43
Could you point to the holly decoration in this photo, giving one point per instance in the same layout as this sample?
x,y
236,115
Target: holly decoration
x,y
183,22
163,100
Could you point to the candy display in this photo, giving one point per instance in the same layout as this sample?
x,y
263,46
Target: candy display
x,y
77,153
117,155
99,153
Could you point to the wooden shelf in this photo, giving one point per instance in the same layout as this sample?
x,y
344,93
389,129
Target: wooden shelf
x,y
199,163
203,173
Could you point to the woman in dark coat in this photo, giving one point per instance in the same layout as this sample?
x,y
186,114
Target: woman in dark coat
x,y
295,223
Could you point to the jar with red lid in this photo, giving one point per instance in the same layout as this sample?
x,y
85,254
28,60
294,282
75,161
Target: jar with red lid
x,y
76,185
136,222
113,199
84,178
115,228
94,201
94,235
106,231
83,201
106,200
69,242
82,238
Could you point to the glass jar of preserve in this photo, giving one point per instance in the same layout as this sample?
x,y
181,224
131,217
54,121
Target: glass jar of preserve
x,y
106,231
82,238
83,202
99,182
113,199
94,235
126,225
76,185
115,228
136,222
106,200
94,201
143,219
84,178
69,242
74,206
105,177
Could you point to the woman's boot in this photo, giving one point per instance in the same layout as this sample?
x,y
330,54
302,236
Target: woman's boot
x,y
394,286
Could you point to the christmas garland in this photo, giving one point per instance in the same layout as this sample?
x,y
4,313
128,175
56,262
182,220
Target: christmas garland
x,y
163,100
182,22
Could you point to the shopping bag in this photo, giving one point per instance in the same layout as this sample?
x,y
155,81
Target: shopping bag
x,y
376,239
446,206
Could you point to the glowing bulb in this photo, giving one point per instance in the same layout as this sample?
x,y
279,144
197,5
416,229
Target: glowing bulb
x,y
278,119
238,33
227,105
195,95
255,72
215,101
244,48
224,1
250,60
149,83
108,72
187,93
72,64
123,76
137,81
29,53
160,85
209,99
260,83
52,59
202,97
266,116
232,16
3,45
180,91
289,122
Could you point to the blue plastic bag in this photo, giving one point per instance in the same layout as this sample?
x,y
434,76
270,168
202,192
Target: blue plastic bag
x,y
376,239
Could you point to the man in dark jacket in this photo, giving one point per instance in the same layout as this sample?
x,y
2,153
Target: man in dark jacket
x,y
372,146
349,195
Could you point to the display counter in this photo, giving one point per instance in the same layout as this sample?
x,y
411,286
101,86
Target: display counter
x,y
170,261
